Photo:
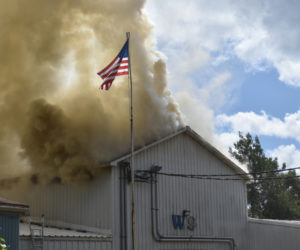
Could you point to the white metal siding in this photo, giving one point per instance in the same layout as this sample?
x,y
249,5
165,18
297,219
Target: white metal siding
x,y
116,208
76,206
263,235
218,206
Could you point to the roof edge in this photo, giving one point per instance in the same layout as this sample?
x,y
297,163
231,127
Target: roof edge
x,y
70,238
62,233
281,223
217,153
198,139
69,226
9,206
14,209
116,161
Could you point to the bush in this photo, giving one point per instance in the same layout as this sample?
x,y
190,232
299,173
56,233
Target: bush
x,y
3,244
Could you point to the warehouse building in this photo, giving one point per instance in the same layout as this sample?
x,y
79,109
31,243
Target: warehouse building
x,y
172,212
10,211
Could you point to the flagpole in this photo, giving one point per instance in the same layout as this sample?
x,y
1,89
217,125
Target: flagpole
x,y
132,150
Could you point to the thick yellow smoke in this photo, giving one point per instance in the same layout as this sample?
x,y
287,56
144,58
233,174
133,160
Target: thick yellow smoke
x,y
55,123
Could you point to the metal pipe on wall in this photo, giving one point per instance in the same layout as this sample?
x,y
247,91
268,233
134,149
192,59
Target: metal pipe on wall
x,y
168,238
123,208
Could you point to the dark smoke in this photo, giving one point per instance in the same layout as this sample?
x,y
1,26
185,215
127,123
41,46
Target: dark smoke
x,y
55,123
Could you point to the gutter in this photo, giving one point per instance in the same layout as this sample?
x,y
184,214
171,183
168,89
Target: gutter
x,y
169,238
22,210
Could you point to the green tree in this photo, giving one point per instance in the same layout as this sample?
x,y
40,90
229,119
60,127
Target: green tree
x,y
267,198
3,245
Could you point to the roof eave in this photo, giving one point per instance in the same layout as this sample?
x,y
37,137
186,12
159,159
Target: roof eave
x,y
22,210
122,158
217,153
201,141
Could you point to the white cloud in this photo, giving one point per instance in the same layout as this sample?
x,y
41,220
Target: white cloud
x,y
288,154
215,93
262,124
201,37
289,71
260,33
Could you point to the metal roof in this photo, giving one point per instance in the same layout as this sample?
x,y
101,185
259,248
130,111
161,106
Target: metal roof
x,y
53,232
187,130
284,223
13,206
12,203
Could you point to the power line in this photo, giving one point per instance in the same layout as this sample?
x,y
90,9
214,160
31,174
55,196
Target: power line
x,y
212,177
262,172
220,176
224,175
250,173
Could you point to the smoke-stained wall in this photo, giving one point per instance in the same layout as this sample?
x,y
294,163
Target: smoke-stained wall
x,y
55,123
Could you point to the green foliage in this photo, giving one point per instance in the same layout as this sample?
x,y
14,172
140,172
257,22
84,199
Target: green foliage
x,y
273,199
3,244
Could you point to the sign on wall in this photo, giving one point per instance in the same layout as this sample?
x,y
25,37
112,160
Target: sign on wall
x,y
184,221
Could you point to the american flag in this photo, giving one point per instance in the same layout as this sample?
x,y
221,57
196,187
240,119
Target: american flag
x,y
118,67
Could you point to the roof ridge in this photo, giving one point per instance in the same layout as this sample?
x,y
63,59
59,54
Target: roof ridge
x,y
189,131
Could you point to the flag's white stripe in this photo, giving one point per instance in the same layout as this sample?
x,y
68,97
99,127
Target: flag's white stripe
x,y
112,73
108,72
112,66
109,78
122,70
105,86
116,64
113,69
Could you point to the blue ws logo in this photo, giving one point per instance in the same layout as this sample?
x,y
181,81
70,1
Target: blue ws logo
x,y
179,221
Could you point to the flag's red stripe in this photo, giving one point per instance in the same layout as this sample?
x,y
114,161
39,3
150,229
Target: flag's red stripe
x,y
115,67
106,85
122,73
123,67
107,67
110,78
110,65
110,73
118,66
113,71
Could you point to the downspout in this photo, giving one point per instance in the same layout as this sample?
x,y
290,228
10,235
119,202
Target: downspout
x,y
123,208
168,238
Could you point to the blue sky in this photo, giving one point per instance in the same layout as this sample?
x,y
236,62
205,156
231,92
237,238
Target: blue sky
x,y
234,66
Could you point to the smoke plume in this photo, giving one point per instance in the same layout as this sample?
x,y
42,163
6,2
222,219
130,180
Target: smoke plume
x,y
55,122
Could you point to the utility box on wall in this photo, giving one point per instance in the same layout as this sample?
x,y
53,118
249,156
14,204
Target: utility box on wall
x,y
9,221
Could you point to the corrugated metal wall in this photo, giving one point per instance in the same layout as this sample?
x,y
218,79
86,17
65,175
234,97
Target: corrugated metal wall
x,y
85,206
67,244
265,235
116,225
9,229
219,207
